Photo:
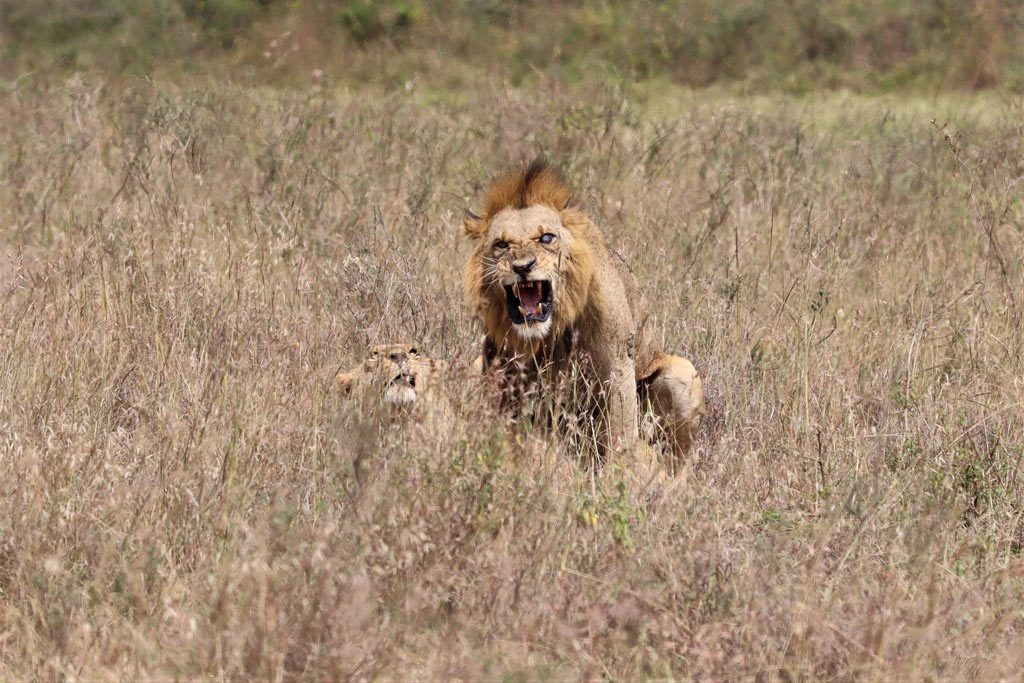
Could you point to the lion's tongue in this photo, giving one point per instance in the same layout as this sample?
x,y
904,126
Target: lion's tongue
x,y
529,297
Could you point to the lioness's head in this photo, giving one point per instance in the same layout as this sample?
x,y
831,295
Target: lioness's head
x,y
397,371
530,274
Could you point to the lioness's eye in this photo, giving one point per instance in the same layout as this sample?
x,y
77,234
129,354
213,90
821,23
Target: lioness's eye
x,y
547,238
412,351
501,244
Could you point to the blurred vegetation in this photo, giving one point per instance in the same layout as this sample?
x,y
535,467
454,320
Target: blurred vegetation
x,y
876,45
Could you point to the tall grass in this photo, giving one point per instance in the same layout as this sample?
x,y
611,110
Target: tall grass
x,y
181,495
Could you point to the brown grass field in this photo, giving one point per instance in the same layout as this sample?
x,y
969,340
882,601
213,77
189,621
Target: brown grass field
x,y
183,269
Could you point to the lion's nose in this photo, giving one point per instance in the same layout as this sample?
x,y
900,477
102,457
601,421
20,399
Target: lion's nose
x,y
523,266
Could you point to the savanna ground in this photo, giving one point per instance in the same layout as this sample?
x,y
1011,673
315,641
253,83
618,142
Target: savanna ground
x,y
184,264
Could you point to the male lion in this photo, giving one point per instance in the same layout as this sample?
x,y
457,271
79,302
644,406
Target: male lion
x,y
551,296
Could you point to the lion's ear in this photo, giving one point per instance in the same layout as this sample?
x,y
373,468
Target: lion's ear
x,y
474,226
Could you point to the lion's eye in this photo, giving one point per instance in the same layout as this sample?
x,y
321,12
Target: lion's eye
x,y
393,356
412,351
501,244
547,238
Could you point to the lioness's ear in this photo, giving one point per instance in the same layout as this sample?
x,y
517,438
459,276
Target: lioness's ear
x,y
474,226
344,381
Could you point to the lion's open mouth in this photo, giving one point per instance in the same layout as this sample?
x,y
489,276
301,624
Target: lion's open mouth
x,y
529,302
401,390
403,379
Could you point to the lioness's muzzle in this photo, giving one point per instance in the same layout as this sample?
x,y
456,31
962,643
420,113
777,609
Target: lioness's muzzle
x,y
403,379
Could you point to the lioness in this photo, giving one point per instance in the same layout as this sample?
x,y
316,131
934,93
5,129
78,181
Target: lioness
x,y
550,295
398,371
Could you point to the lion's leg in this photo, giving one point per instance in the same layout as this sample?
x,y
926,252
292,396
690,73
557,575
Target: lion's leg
x,y
676,395
621,414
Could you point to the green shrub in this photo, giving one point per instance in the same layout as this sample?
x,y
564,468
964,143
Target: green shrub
x,y
224,19
367,21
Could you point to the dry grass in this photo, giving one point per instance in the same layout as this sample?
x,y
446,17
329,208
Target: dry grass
x,y
181,496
